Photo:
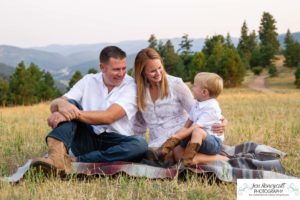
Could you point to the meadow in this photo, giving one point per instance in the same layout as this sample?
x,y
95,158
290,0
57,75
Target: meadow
x,y
270,118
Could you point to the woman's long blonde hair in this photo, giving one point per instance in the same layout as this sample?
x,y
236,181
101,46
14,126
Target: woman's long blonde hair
x,y
139,65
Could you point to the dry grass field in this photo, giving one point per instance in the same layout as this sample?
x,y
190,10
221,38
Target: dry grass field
x,y
270,118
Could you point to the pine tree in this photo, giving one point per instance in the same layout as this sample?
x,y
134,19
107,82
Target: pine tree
x,y
297,77
198,63
253,48
228,41
232,69
289,46
211,43
33,84
243,42
269,45
4,88
243,47
292,50
255,57
247,45
130,72
161,49
92,71
172,62
223,60
153,42
252,41
76,77
47,87
186,55
185,46
17,85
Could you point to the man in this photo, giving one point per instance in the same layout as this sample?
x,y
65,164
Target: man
x,y
92,120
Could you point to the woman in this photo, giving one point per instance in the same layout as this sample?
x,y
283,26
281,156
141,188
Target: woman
x,y
163,102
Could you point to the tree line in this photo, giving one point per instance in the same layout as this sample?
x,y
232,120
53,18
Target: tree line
x,y
219,55
31,85
27,86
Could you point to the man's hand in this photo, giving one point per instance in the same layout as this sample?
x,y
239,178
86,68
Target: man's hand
x,y
55,118
219,128
68,110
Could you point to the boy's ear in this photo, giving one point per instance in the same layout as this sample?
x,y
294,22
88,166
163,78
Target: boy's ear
x,y
205,92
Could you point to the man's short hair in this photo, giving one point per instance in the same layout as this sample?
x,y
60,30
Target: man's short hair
x,y
111,52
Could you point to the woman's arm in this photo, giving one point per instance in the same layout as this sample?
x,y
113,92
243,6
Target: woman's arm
x,y
139,124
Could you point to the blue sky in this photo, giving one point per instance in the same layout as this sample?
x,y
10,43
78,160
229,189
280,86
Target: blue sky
x,y
27,23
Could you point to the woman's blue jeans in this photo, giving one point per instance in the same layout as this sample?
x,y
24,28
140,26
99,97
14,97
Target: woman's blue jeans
x,y
106,147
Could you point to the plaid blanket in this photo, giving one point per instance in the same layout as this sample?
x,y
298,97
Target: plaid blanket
x,y
247,160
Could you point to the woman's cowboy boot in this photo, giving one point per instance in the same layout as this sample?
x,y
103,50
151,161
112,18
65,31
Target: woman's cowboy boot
x,y
57,161
170,144
190,152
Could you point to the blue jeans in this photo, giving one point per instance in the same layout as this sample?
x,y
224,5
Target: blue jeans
x,y
210,146
106,147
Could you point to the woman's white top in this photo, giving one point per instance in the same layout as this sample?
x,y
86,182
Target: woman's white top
x,y
165,117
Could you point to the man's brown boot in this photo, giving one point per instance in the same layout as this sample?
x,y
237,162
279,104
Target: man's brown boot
x,y
190,152
170,144
57,161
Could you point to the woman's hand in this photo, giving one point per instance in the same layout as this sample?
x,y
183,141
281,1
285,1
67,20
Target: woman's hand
x,y
219,128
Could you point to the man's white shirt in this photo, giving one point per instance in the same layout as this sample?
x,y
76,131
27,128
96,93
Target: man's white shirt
x,y
93,95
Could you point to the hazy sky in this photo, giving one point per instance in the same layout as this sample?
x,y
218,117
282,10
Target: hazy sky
x,y
27,23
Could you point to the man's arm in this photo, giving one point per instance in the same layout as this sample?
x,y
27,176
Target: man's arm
x,y
54,104
112,114
68,110
55,118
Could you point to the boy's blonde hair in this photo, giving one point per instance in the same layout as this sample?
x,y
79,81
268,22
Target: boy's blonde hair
x,y
210,81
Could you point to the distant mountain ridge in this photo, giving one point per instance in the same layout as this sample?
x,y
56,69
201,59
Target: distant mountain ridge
x,y
130,47
281,37
13,55
6,70
63,60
